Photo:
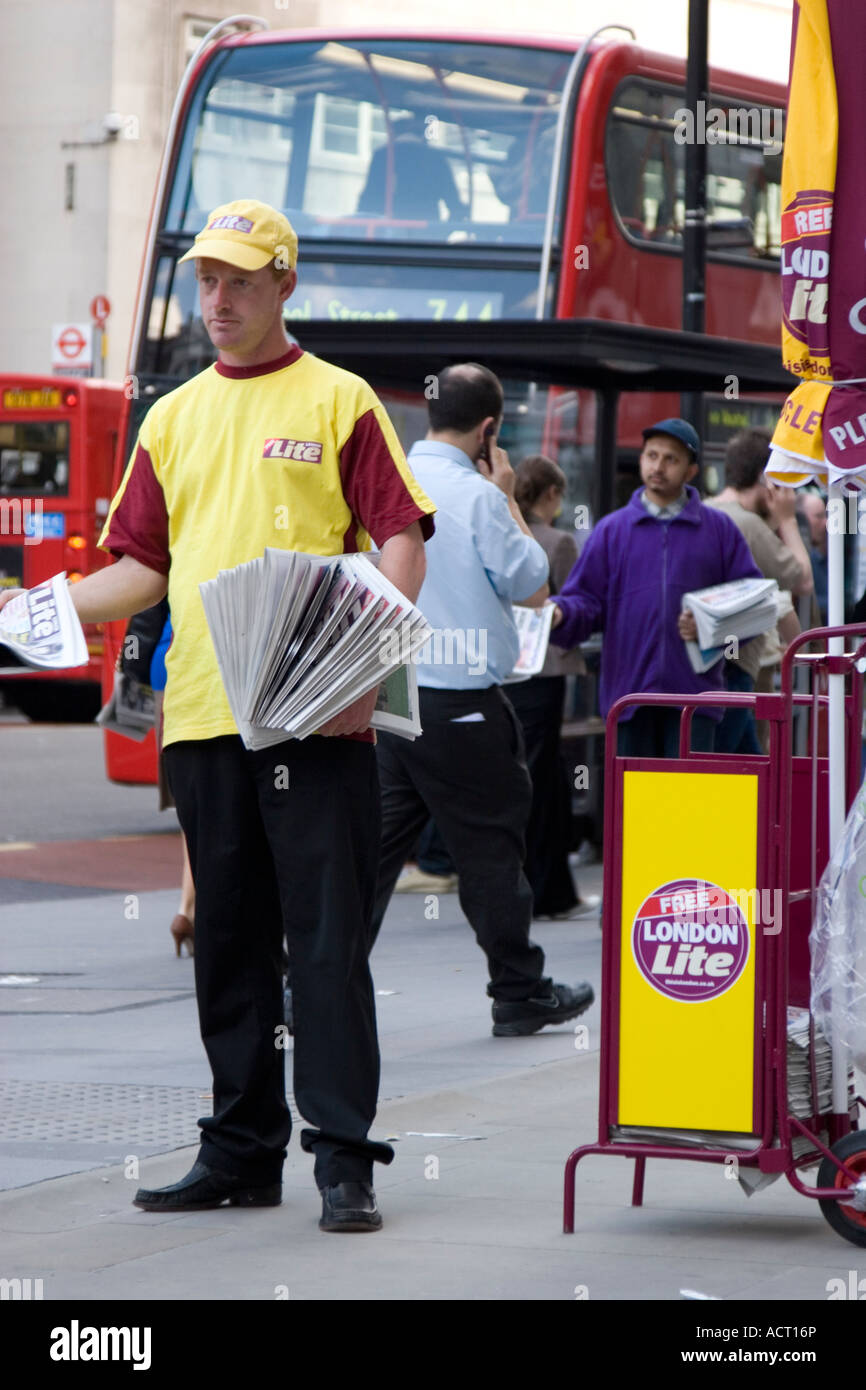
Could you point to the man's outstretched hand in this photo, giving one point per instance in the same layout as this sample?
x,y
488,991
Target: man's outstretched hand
x,y
7,594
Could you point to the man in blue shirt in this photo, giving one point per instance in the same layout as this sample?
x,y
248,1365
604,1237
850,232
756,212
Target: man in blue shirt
x,y
467,769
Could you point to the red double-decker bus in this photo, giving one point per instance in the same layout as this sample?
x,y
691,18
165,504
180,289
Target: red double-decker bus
x,y
469,179
433,177
58,444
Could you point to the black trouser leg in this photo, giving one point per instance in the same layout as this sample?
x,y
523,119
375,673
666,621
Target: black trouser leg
x,y
404,814
324,832
431,854
654,732
304,817
538,704
238,952
470,776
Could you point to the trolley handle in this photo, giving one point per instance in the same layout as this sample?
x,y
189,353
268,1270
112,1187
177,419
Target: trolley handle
x,y
686,704
837,665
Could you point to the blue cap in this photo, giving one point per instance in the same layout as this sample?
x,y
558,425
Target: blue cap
x,y
679,429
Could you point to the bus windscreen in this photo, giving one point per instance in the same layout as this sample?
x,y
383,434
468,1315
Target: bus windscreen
x,y
377,140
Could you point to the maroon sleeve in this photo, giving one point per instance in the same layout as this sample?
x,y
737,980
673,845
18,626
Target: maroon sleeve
x,y
138,523
374,486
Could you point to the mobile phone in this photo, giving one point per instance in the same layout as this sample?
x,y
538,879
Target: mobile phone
x,y
489,433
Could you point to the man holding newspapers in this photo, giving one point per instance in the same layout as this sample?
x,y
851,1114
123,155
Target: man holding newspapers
x,y
268,447
630,581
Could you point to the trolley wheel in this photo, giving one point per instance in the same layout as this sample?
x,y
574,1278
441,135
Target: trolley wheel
x,y
847,1222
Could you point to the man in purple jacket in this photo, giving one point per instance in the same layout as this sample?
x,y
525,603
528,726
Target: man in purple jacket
x,y
629,582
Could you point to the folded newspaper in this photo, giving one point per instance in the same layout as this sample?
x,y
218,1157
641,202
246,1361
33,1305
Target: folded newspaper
x,y
41,628
533,629
299,637
740,609
130,710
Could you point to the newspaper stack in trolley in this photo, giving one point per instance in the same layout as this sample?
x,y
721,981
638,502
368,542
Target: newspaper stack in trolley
x,y
299,637
740,609
40,627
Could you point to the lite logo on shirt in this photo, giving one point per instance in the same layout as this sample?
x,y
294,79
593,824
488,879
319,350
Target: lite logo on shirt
x,y
304,450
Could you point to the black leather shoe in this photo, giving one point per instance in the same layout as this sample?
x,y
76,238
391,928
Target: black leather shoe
x,y
516,1018
204,1188
350,1206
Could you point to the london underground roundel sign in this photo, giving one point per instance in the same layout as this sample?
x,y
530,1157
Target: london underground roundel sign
x,y
690,940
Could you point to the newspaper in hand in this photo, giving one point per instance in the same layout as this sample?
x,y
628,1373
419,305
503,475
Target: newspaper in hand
x,y
397,708
739,609
41,628
130,710
533,629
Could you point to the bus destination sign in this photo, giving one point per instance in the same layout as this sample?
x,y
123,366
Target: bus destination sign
x,y
372,302
32,398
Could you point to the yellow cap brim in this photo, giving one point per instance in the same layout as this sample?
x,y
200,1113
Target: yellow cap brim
x,y
219,249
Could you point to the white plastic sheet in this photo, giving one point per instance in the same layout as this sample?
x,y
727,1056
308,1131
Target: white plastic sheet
x,y
838,940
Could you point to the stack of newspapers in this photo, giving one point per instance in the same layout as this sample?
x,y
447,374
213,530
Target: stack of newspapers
x,y
808,1051
738,610
299,637
801,1099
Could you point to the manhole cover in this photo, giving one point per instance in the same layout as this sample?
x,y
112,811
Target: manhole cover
x,y
83,1112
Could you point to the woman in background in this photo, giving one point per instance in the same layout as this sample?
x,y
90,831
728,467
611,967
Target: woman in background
x,y
539,490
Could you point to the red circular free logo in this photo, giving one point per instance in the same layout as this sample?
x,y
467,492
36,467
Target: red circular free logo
x,y
690,940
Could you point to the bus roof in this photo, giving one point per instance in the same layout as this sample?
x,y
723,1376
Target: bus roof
x,y
722,79
88,383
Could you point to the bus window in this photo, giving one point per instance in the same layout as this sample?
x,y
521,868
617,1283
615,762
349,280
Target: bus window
x,y
646,172
177,345
34,457
375,138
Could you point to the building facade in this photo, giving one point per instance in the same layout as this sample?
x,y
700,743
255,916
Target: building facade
x,y
89,87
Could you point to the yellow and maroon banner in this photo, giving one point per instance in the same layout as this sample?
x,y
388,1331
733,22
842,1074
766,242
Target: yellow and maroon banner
x,y
798,441
823,235
808,182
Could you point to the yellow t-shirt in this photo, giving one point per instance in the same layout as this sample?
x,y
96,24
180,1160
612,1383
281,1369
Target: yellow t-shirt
x,y
296,454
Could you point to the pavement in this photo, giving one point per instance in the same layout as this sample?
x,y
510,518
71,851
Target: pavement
x,y
104,1077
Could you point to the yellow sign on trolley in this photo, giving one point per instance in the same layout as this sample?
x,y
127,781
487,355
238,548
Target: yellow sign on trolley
x,y
687,972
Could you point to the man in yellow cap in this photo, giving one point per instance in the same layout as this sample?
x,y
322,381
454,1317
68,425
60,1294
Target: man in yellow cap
x,y
269,446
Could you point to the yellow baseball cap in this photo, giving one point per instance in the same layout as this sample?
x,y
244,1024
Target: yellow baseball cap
x,y
247,234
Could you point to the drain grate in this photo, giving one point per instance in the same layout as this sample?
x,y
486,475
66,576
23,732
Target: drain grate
x,y
83,1112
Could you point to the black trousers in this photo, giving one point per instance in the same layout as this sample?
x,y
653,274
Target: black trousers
x,y
469,774
286,838
654,732
538,704
430,852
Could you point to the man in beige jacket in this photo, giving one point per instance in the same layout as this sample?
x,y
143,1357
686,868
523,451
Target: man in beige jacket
x,y
765,515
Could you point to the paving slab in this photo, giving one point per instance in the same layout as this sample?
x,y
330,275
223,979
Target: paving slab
x,y
106,1078
467,1219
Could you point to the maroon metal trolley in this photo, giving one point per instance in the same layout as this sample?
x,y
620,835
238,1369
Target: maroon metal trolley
x,y
792,851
